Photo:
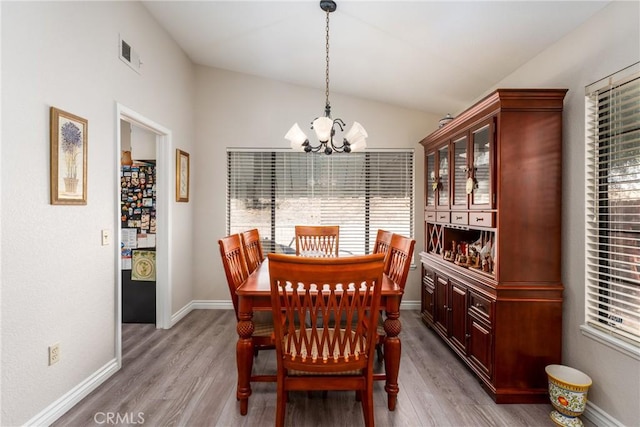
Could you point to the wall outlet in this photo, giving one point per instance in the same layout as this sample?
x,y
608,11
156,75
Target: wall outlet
x,y
54,353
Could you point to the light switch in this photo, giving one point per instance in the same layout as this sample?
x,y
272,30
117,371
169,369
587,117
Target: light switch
x,y
106,237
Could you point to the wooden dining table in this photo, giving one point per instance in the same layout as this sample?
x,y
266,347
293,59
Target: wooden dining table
x,y
255,295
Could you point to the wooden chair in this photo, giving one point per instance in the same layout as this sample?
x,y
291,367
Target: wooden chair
x,y
235,268
252,249
317,240
398,261
330,351
383,239
396,267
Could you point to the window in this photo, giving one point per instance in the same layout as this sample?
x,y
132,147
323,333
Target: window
x,y
362,192
612,294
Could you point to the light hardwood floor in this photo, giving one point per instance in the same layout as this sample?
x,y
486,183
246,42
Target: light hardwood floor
x,y
186,376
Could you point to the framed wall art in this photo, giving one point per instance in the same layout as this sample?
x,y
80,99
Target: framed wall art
x,y
182,176
68,158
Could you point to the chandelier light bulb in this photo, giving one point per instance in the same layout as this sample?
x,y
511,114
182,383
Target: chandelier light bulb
x,y
323,126
296,137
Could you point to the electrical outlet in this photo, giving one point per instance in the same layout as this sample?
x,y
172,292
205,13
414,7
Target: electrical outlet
x,y
54,353
106,238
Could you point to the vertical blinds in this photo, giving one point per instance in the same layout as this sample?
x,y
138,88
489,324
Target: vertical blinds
x,y
613,205
361,192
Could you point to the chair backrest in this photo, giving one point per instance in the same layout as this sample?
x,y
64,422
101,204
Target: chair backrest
x,y
252,249
399,259
383,239
339,300
317,240
235,266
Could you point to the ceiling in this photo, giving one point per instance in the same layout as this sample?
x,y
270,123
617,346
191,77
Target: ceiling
x,y
434,56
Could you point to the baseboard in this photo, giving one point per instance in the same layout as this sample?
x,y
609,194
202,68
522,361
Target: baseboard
x,y
600,418
58,408
227,305
200,305
410,305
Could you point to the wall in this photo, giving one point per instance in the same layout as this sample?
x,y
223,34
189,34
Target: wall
x,y
143,144
607,43
57,279
237,110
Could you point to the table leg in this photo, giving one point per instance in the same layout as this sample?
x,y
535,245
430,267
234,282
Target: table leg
x,y
244,356
392,348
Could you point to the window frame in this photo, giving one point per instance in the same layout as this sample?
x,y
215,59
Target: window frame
x,y
602,254
371,225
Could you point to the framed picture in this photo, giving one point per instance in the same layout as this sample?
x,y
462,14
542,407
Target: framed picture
x,y
182,176
68,158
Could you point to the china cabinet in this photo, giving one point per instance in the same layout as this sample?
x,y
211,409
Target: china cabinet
x,y
491,279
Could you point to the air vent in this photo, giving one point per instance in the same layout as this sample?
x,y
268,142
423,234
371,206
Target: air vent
x,y
129,56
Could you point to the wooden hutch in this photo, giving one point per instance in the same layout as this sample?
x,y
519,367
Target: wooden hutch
x,y
491,272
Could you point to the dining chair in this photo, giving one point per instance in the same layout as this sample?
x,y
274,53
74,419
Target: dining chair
x,y
317,240
252,248
331,351
398,261
383,239
235,268
396,267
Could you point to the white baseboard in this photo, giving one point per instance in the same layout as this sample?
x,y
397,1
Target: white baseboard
x,y
600,418
227,305
58,408
410,305
200,305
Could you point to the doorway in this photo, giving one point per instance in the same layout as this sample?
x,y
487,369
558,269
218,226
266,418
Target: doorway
x,y
163,219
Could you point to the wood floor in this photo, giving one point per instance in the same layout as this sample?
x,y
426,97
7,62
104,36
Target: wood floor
x,y
186,376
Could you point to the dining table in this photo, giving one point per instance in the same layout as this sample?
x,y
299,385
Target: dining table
x,y
255,295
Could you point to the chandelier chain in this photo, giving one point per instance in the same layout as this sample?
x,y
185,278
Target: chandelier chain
x,y
326,92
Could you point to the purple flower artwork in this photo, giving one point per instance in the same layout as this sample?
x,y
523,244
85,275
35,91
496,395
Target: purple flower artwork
x,y
68,158
71,147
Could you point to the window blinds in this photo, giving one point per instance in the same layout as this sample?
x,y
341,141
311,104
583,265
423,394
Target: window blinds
x,y
613,205
361,192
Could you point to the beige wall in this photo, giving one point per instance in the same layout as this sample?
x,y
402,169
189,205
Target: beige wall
x,y
57,279
607,43
238,110
58,282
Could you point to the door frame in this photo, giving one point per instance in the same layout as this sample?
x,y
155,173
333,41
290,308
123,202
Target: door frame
x,y
164,192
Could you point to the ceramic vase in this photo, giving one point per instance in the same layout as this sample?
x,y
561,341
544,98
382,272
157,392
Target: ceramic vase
x,y
568,389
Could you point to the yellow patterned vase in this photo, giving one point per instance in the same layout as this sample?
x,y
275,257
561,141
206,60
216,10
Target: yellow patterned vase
x,y
568,389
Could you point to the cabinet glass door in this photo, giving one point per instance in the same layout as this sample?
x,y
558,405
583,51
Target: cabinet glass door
x,y
430,173
460,173
481,141
443,177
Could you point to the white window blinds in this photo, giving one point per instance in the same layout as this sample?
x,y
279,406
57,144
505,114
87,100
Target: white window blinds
x,y
361,192
613,206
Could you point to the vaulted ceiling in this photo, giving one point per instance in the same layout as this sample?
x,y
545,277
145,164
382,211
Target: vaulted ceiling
x,y
434,56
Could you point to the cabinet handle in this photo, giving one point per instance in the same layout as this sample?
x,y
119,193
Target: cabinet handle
x,y
459,218
467,336
449,309
479,219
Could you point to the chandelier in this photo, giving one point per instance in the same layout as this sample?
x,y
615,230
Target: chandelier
x,y
325,127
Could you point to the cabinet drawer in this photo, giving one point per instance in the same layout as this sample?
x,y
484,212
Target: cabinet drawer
x,y
461,218
429,216
443,217
480,307
482,219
